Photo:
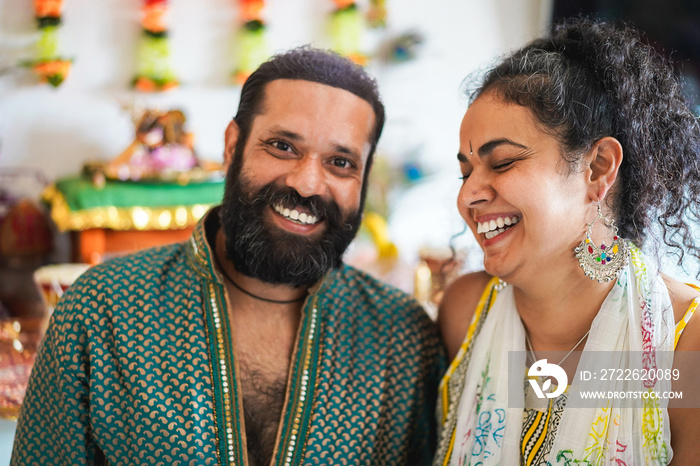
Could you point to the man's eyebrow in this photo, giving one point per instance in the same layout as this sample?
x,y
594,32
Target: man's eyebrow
x,y
287,134
347,151
461,157
291,135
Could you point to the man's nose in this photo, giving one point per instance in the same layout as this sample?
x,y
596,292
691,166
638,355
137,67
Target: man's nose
x,y
307,177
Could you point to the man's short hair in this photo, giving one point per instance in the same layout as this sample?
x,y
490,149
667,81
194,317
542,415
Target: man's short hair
x,y
314,65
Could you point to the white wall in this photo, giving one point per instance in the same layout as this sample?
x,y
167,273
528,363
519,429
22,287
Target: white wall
x,y
57,130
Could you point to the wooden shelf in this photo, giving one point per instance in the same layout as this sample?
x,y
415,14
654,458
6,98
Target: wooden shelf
x,y
97,244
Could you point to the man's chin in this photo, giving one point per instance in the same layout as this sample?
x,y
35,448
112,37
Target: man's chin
x,y
287,258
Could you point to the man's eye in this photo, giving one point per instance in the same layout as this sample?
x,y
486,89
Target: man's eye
x,y
464,177
281,145
342,163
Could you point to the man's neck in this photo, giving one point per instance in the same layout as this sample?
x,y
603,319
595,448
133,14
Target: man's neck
x,y
251,289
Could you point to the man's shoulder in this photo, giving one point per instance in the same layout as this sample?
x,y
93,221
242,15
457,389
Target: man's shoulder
x,y
365,293
384,312
145,259
141,267
122,284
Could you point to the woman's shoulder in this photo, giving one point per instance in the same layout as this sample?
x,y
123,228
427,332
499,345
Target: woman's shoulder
x,y
457,308
682,296
682,299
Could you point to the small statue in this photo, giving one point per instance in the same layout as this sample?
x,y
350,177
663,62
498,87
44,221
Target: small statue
x,y
161,151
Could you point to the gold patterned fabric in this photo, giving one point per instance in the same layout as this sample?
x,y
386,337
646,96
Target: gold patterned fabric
x,y
137,367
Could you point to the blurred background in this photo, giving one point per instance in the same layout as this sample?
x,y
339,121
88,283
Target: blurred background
x,y
83,82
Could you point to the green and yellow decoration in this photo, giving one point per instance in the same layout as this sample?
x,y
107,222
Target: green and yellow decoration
x,y
153,71
51,67
251,42
346,29
76,204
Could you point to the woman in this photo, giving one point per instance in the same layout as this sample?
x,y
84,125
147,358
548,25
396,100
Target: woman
x,y
570,149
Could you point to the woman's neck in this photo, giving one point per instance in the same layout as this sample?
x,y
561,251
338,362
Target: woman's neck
x,y
557,307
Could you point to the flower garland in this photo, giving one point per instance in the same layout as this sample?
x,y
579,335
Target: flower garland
x,y
376,16
346,28
153,71
49,65
252,44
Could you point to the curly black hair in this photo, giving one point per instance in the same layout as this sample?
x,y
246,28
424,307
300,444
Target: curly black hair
x,y
590,79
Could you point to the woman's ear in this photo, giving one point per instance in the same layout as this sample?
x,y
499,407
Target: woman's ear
x,y
230,141
604,161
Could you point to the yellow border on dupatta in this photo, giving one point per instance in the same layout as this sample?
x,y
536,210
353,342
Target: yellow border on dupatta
x,y
444,383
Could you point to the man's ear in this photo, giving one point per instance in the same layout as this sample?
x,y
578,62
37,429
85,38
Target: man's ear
x,y
230,141
604,161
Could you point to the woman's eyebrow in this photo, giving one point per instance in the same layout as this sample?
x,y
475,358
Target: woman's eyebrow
x,y
487,148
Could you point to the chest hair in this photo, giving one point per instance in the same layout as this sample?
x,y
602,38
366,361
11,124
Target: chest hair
x,y
264,346
263,400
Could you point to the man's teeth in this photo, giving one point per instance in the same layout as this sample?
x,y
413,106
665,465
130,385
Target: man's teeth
x,y
295,215
496,226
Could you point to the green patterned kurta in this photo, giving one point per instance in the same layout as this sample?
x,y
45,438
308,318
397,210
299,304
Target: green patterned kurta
x,y
137,368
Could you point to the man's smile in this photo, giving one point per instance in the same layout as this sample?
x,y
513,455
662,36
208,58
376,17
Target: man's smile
x,y
295,215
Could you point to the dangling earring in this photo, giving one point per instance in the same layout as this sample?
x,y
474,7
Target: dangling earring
x,y
602,263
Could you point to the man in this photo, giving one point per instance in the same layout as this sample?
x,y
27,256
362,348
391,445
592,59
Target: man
x,y
252,343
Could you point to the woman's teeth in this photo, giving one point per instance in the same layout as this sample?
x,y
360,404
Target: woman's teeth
x,y
496,226
294,215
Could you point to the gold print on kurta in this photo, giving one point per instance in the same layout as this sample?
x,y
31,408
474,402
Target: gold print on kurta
x,y
363,395
139,347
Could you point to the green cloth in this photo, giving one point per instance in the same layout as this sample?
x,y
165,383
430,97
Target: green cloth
x,y
137,367
80,193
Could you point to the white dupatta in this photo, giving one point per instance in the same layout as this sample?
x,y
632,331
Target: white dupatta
x,y
636,316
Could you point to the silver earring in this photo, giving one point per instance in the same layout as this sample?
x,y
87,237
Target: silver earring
x,y
604,262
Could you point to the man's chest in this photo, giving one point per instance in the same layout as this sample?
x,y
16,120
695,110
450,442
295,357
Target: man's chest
x,y
263,363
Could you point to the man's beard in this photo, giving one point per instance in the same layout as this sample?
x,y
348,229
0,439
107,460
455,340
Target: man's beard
x,y
269,253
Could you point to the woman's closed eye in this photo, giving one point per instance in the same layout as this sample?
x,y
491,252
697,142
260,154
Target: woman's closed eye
x,y
503,165
499,166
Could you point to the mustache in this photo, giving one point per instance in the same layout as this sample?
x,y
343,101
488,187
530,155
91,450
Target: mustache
x,y
289,197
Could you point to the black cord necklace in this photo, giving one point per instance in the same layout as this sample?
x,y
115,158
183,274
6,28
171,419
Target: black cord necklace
x,y
267,300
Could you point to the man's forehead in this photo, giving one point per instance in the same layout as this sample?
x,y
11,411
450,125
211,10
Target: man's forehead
x,y
302,106
284,87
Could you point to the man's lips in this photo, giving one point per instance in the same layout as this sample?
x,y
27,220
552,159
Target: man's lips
x,y
295,216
